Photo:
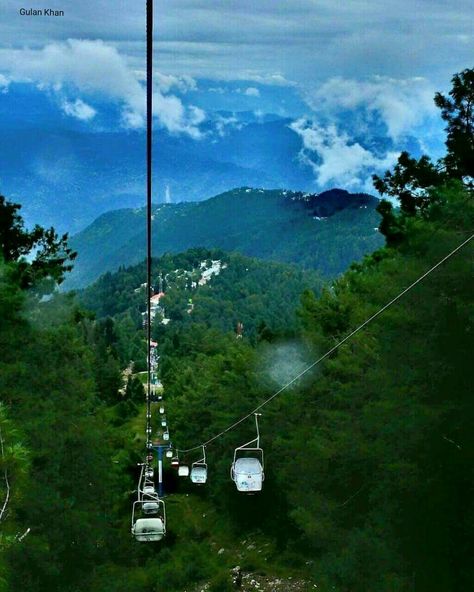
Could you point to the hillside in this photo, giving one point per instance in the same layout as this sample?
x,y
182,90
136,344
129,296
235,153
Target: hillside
x,y
325,232
263,296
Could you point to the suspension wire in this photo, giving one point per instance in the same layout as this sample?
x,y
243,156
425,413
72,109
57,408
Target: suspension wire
x,y
149,137
332,350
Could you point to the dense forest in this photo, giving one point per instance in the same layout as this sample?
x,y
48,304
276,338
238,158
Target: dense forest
x,y
369,479
325,231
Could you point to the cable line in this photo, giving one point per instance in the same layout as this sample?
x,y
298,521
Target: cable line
x,y
149,138
149,511
332,350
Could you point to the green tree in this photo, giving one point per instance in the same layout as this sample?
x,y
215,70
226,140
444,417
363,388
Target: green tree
x,y
52,256
413,181
457,111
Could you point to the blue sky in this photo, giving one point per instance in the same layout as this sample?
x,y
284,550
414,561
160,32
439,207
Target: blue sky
x,y
356,77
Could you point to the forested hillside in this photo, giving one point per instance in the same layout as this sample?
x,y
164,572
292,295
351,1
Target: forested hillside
x,y
369,484
261,296
325,232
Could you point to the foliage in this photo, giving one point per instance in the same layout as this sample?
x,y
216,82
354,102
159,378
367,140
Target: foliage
x,y
413,182
52,255
458,112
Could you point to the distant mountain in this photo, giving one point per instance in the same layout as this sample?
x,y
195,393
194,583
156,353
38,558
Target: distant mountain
x,y
66,173
325,232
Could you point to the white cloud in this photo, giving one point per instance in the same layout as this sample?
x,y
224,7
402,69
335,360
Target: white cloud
x,y
224,124
335,158
251,91
4,82
402,104
167,82
79,110
272,79
94,67
176,117
217,89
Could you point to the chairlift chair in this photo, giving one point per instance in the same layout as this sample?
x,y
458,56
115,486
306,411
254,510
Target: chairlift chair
x,y
247,470
169,453
175,462
150,500
166,436
162,410
183,471
146,529
199,470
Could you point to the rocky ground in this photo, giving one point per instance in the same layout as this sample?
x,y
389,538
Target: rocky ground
x,y
251,582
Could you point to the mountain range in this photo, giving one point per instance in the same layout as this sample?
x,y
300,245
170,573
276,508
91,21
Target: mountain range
x,y
67,172
325,232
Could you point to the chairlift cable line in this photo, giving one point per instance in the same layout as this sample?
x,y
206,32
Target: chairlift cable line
x,y
148,511
330,351
149,172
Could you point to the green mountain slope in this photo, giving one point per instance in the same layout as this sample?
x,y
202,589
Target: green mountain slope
x,y
326,233
263,296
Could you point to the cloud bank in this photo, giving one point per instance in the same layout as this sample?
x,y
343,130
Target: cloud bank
x,y
337,159
97,69
401,104
359,127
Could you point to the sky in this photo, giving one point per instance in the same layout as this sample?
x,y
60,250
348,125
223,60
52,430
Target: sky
x,y
349,73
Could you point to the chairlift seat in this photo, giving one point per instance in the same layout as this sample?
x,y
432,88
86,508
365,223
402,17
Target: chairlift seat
x,y
199,473
148,529
150,507
183,471
149,490
247,473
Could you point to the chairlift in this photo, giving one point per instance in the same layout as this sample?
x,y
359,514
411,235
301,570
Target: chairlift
x,y
163,422
149,489
247,470
169,453
183,471
199,470
146,530
175,462
166,436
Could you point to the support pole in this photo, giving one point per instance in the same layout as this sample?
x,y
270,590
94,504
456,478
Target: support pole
x,y
160,471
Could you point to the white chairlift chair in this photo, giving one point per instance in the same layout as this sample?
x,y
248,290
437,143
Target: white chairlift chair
x,y
247,470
